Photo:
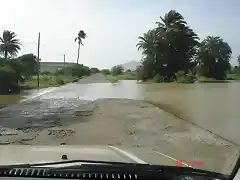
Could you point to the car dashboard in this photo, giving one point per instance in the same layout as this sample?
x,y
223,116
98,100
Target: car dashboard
x,y
94,174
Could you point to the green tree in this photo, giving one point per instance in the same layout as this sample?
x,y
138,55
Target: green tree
x,y
77,70
148,45
238,59
9,45
116,70
14,71
169,48
81,35
94,70
105,71
80,70
214,55
30,64
148,42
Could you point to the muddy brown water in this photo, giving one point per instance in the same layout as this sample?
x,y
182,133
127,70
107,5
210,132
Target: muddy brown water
x,y
213,106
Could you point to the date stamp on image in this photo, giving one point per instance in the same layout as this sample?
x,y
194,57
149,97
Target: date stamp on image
x,y
190,163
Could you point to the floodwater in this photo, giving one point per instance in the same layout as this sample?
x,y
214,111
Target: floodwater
x,y
213,106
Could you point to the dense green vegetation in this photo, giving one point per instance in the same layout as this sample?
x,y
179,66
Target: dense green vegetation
x,y
49,80
236,71
173,52
18,73
117,73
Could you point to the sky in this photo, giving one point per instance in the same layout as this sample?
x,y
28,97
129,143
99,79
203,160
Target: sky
x,y
112,26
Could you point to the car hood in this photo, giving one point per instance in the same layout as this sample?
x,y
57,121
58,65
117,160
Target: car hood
x,y
24,154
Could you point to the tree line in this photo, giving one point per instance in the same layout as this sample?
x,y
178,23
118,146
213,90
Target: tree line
x,y
172,51
14,70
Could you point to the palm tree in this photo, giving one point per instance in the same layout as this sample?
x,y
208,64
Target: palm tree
x,y
9,45
81,35
170,47
214,55
147,42
148,45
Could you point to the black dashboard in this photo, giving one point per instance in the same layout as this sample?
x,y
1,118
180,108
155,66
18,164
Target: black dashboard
x,y
95,173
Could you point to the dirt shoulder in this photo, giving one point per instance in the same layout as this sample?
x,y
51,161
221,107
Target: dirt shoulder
x,y
138,125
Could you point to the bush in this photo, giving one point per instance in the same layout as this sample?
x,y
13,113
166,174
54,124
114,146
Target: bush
x,y
158,79
8,80
60,71
80,70
77,70
105,71
94,70
117,70
45,73
46,78
183,77
60,81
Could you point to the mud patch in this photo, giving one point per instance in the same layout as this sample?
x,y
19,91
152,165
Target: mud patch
x,y
60,132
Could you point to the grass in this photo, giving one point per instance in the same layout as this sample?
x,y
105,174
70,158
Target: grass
x,y
234,76
112,79
151,81
9,99
124,76
202,79
47,81
53,66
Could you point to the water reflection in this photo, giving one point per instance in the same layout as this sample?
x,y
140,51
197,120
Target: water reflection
x,y
123,89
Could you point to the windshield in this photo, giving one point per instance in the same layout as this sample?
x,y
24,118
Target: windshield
x,y
139,82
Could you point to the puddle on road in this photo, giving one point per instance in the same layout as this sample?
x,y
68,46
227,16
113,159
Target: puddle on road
x,y
39,112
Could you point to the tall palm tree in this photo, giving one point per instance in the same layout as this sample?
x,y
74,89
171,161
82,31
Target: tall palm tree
x,y
9,45
214,55
81,35
147,42
177,40
170,47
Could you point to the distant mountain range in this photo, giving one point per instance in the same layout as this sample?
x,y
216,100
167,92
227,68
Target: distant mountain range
x,y
132,65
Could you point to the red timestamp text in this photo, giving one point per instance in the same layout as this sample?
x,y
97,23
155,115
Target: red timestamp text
x,y
190,163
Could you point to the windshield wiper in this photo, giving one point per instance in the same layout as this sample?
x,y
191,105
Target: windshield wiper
x,y
140,169
67,162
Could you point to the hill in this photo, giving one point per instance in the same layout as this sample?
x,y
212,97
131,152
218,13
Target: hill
x,y
132,65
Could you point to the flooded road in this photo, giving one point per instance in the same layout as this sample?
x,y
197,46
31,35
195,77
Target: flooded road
x,y
211,106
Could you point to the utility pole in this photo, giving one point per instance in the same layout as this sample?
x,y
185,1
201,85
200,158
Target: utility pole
x,y
64,60
38,59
